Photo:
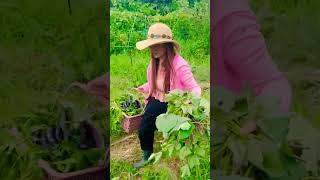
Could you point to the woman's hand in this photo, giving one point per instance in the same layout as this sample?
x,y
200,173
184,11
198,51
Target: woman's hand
x,y
141,91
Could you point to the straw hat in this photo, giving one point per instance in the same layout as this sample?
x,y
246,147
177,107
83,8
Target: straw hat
x,y
158,33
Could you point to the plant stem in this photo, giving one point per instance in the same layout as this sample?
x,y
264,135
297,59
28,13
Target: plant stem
x,y
200,123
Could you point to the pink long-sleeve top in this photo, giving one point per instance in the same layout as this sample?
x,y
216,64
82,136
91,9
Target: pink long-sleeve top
x,y
182,78
239,54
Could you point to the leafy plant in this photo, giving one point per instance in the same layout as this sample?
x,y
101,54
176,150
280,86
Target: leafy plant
x,y
130,26
18,158
68,157
185,129
129,105
271,151
115,118
70,145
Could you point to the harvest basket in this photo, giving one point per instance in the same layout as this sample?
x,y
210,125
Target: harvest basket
x,y
131,123
92,173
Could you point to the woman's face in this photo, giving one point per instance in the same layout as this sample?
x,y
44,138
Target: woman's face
x,y
158,50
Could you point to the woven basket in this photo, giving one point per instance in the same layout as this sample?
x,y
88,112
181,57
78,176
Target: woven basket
x,y
92,173
131,123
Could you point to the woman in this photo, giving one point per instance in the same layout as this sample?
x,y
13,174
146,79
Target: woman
x,y
167,71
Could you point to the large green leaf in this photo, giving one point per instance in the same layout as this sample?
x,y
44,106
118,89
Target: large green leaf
x,y
170,148
307,136
184,126
166,122
184,152
200,151
255,153
186,109
275,127
155,156
238,150
273,164
193,161
183,134
185,170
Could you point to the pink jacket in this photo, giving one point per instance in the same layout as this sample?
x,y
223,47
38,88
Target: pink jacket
x,y
239,53
182,78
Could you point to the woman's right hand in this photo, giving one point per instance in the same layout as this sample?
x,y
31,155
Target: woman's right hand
x,y
141,91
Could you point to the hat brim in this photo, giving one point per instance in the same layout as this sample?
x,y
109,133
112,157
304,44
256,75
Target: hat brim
x,y
149,42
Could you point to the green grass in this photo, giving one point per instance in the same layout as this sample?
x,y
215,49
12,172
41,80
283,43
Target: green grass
x,y
124,170
162,171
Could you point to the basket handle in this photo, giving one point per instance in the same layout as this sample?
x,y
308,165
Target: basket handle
x,y
106,158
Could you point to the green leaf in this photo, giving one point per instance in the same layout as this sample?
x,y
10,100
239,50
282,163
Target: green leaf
x,y
178,146
182,122
183,134
184,152
158,156
186,109
275,127
200,151
165,135
185,126
206,104
152,156
300,128
255,153
193,161
309,137
273,164
166,122
185,171
155,156
170,148
239,152
295,168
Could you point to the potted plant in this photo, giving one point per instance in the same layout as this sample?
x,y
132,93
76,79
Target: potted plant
x,y
72,150
132,109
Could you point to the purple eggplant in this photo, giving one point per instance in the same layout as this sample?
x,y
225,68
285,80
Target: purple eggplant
x,y
50,135
137,104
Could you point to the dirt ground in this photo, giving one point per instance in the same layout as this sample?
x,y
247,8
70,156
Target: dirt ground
x,y
126,149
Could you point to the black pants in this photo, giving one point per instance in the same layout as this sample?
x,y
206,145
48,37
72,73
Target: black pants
x,y
148,125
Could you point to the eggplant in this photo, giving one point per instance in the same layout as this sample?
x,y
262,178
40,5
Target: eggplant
x,y
58,133
63,124
50,136
137,104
